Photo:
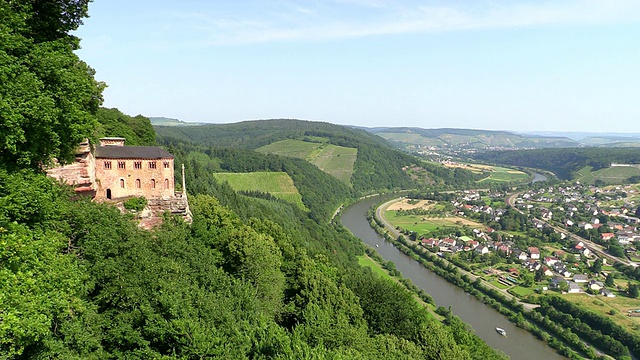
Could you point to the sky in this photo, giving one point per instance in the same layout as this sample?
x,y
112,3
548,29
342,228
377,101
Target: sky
x,y
540,65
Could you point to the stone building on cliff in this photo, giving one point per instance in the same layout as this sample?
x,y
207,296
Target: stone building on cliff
x,y
123,171
114,172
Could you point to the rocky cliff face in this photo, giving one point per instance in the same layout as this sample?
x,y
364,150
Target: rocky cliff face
x,y
80,174
151,215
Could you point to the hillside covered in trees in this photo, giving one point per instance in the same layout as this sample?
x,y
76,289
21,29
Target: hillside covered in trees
x,y
250,278
137,130
562,162
378,166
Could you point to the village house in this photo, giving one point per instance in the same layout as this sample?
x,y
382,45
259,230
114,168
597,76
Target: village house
x,y
546,271
607,236
573,287
431,242
595,285
607,293
580,278
520,255
481,249
534,252
550,260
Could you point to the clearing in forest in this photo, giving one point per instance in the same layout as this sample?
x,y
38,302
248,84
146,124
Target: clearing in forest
x,y
335,160
278,184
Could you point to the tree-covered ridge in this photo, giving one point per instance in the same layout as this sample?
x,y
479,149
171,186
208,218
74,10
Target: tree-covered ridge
x,y
321,193
137,130
378,166
562,162
48,96
468,138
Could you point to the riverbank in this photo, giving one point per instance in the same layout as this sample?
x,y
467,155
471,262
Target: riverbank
x,y
479,318
519,313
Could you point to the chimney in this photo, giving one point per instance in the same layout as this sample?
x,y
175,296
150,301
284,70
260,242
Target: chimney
x,y
112,141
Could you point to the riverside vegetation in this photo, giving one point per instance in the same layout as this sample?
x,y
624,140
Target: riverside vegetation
x,y
557,321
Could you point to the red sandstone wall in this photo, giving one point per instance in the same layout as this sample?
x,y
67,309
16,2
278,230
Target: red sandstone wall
x,y
110,179
79,174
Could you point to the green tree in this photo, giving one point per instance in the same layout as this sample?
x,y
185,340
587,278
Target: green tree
x,y
539,274
48,97
633,290
609,281
596,268
136,130
527,279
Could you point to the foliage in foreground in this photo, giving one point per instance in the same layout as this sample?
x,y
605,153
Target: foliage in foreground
x,y
48,96
80,280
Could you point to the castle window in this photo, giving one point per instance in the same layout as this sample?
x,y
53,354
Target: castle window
x,y
122,183
166,164
138,183
122,165
166,184
107,164
137,164
153,183
152,164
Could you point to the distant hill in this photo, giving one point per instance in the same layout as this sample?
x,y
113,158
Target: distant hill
x,y
568,162
378,165
335,160
411,137
165,121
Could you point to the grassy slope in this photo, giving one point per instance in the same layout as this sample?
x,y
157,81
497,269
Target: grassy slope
x,y
278,184
335,160
610,175
378,166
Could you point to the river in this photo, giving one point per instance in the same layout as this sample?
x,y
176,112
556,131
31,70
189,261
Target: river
x,y
538,177
518,344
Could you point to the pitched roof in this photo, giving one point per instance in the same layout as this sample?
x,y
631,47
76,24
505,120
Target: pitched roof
x,y
132,152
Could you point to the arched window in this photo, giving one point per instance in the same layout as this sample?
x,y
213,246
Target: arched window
x,y
138,183
153,183
166,184
122,183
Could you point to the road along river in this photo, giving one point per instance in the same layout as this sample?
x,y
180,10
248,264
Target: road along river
x,y
518,344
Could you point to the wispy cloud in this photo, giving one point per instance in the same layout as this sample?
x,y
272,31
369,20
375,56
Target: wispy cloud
x,y
337,19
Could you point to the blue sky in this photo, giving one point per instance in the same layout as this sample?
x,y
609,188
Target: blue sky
x,y
556,65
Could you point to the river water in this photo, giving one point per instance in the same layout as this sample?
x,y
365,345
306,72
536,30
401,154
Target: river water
x,y
518,344
538,177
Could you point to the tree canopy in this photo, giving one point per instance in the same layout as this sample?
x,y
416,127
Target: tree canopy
x,y
48,96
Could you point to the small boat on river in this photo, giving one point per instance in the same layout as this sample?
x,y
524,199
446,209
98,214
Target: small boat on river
x,y
501,331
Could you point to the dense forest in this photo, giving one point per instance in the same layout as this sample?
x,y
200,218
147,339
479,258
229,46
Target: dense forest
x,y
137,130
249,278
562,162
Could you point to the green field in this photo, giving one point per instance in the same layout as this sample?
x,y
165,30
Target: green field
x,y
278,184
424,225
498,284
603,305
522,291
610,175
335,160
364,260
501,174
